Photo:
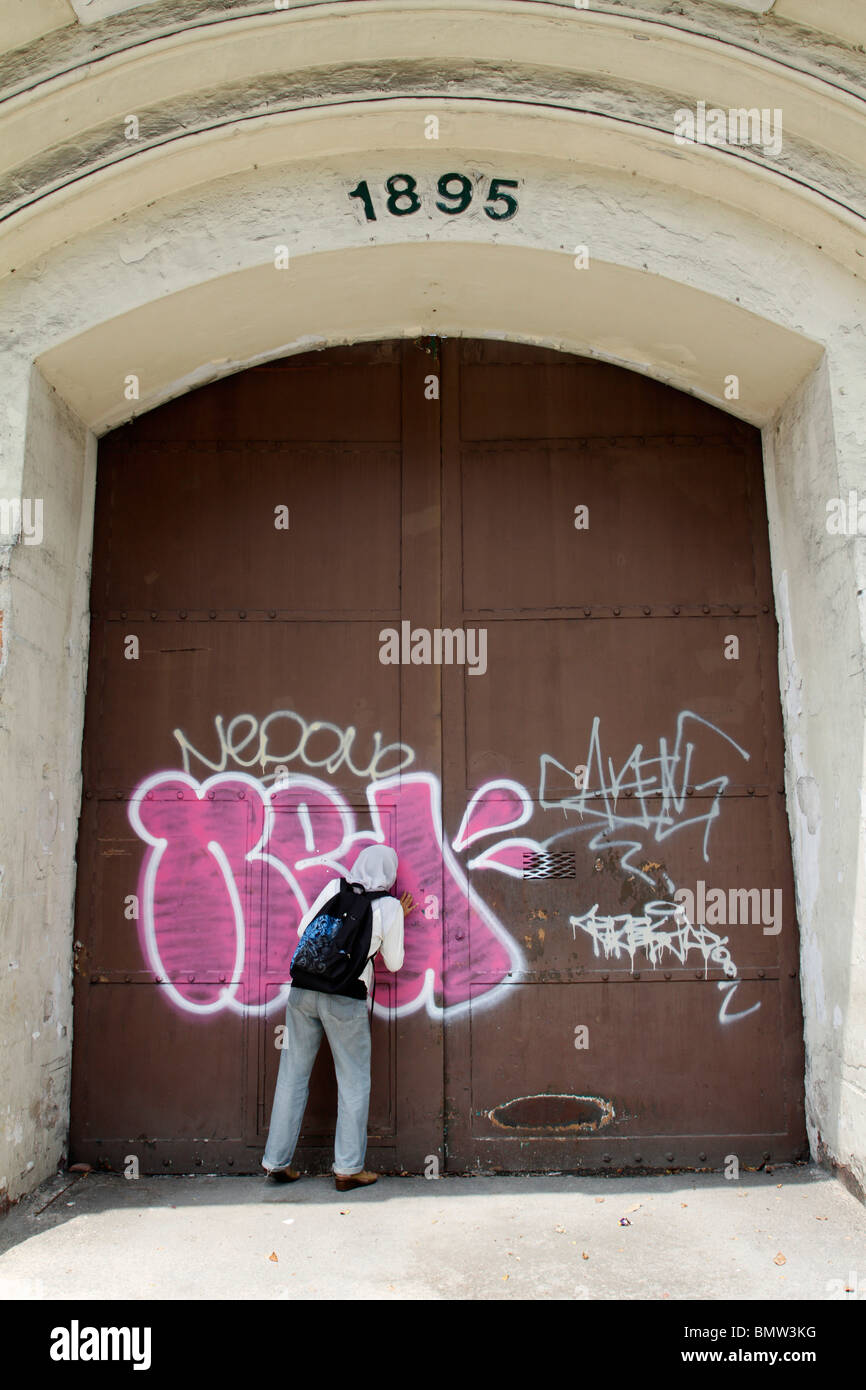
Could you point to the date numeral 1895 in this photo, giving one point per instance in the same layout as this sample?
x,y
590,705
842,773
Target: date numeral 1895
x,y
455,194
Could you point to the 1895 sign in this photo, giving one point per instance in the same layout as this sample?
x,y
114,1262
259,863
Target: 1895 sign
x,y
455,192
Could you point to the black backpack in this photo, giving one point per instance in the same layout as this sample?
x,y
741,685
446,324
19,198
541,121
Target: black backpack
x,y
335,946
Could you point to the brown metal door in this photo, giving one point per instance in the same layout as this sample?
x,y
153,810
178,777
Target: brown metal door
x,y
254,541
611,754
242,740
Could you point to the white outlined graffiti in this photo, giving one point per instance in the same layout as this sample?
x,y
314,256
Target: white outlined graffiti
x,y
281,877
233,742
663,779
233,864
661,930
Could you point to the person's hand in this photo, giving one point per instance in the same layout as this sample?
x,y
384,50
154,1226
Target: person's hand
x,y
407,902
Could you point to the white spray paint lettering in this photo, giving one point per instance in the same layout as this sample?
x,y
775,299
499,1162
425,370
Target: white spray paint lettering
x,y
255,742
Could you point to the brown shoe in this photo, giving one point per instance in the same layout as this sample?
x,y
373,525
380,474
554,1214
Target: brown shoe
x,y
346,1181
282,1175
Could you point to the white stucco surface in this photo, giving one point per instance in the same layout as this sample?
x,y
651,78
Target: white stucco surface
x,y
43,598
156,258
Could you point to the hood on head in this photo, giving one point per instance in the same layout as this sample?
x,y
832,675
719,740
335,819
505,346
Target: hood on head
x,y
375,867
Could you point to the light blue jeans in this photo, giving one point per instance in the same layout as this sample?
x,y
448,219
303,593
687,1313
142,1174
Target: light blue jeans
x,y
309,1014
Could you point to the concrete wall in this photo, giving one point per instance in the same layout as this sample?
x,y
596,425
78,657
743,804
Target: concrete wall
x,y
157,258
818,577
43,596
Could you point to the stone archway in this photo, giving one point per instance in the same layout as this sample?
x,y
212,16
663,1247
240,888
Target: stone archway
x,y
157,261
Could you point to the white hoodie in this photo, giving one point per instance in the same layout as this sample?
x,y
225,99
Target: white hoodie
x,y
374,868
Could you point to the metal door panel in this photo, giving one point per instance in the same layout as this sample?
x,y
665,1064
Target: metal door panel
x,y
144,1079
617,748
627,691
522,398
352,396
250,740
656,532
283,682
544,897
642,1074
612,909
205,535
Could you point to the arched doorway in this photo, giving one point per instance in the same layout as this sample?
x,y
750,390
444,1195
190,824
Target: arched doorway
x,y
511,610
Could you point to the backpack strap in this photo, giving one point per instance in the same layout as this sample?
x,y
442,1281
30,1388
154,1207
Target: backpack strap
x,y
373,995
372,895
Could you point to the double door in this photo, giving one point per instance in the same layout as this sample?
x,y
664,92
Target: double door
x,y
509,611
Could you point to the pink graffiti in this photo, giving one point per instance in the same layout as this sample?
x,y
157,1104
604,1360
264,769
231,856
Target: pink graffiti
x,y
232,866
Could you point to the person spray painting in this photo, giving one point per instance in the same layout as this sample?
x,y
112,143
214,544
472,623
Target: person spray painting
x,y
332,972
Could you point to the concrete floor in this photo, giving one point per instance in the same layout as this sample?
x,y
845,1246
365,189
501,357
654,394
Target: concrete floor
x,y
792,1233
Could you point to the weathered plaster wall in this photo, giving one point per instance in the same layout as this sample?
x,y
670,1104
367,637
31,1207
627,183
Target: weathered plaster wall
x,y
22,21
643,301
43,598
818,577
158,261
